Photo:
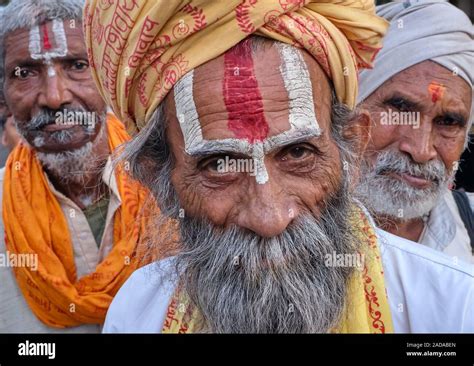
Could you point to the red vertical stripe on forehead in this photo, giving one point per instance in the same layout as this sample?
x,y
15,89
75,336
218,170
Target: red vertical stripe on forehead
x,y
241,95
46,43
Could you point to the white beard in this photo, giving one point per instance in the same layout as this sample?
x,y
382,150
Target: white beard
x,y
72,165
388,196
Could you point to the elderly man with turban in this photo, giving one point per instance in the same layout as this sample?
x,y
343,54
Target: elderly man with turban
x,y
247,137
70,219
420,97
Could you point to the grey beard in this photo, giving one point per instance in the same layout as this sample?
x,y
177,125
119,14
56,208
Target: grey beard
x,y
48,116
243,283
73,165
385,195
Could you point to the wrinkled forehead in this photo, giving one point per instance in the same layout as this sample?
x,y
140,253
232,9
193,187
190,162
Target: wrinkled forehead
x,y
43,43
252,97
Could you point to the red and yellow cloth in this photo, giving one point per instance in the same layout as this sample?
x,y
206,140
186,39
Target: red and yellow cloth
x,y
35,224
140,49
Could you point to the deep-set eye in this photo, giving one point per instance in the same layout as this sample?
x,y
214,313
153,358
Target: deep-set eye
x,y
79,65
22,73
297,152
212,165
218,164
399,103
450,121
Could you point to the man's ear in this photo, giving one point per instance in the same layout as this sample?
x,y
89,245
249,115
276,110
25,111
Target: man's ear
x,y
358,132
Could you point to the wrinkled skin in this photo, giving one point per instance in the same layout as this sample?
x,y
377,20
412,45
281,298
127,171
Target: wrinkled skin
x,y
442,131
301,176
29,90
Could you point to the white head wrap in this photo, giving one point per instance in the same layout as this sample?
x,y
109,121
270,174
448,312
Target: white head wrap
x,y
422,30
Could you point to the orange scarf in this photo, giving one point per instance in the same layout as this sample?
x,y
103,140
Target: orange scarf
x,y
35,224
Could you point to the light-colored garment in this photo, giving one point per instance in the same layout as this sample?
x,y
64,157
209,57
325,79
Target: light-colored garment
x,y
422,30
15,314
365,314
427,292
445,231
151,45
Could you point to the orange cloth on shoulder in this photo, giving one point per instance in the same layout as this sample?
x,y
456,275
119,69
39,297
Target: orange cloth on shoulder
x,y
35,224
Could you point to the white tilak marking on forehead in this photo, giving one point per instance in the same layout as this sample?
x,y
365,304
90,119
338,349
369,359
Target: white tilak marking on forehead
x,y
297,82
302,117
47,57
186,112
258,156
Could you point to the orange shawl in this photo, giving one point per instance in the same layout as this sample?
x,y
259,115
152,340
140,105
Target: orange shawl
x,y
35,224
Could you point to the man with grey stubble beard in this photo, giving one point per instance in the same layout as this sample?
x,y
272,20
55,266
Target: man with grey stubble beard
x,y
420,96
63,201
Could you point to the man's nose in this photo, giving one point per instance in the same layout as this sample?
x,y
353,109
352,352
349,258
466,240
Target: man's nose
x,y
267,211
54,93
419,142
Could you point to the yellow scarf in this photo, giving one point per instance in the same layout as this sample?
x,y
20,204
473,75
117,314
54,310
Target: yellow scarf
x,y
35,224
366,309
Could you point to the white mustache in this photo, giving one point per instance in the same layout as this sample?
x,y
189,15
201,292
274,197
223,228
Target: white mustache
x,y
391,161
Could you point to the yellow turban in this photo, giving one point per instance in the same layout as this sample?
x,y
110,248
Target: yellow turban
x,y
140,48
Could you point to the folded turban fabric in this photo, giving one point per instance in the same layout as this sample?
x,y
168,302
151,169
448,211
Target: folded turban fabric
x,y
422,30
139,49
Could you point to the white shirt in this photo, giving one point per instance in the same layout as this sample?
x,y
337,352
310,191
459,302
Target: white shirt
x,y
445,231
15,314
427,290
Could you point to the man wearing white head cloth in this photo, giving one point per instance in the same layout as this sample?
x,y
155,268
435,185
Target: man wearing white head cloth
x,y
420,98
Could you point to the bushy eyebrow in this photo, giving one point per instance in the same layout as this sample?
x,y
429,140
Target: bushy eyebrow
x,y
29,62
24,64
414,105
462,120
241,147
409,101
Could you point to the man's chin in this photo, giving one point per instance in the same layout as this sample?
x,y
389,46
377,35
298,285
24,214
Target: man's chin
x,y
405,206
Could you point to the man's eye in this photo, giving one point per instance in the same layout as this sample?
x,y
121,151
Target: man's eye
x,y
212,165
80,65
22,73
449,121
399,103
215,164
297,153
